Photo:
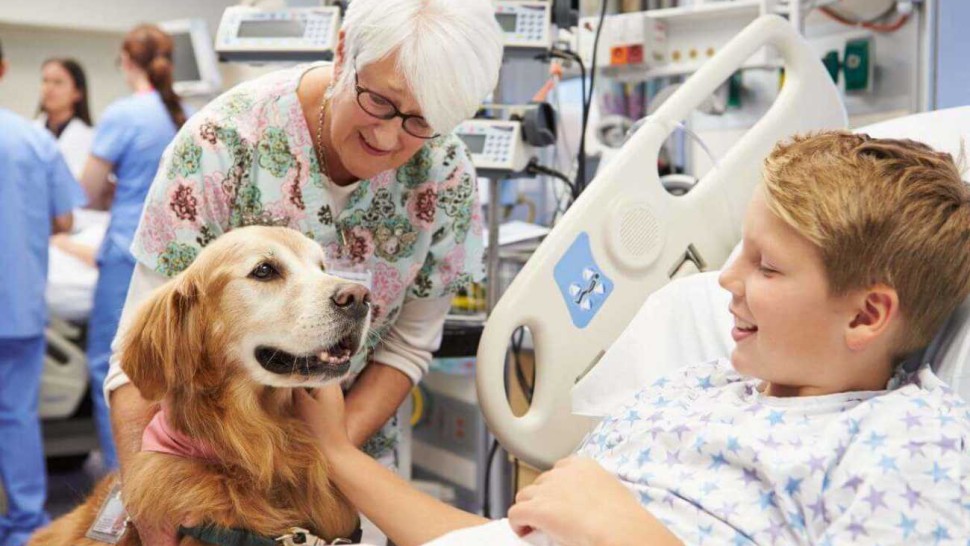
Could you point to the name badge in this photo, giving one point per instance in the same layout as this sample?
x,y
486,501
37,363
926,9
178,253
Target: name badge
x,y
361,272
112,520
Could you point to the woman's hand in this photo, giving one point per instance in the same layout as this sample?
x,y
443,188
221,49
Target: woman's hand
x,y
325,415
578,503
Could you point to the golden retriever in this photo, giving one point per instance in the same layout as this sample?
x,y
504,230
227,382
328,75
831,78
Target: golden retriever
x,y
221,347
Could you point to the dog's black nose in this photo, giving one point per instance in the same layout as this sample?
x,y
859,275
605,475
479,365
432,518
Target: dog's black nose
x,y
352,299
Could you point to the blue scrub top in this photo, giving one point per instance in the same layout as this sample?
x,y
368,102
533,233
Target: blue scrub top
x,y
35,186
132,135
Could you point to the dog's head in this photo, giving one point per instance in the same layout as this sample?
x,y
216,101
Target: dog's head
x,y
255,307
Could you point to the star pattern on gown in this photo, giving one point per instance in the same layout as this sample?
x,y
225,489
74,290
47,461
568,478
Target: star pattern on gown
x,y
720,463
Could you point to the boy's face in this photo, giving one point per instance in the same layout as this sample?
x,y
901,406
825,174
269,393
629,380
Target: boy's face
x,y
789,331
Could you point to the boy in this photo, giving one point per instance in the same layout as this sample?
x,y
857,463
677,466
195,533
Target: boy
x,y
855,252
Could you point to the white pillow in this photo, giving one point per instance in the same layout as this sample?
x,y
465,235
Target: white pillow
x,y
949,353
684,322
687,322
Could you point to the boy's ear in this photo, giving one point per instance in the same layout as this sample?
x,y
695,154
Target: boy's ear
x,y
877,312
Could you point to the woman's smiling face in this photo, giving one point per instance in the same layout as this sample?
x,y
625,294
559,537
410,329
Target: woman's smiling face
x,y
367,145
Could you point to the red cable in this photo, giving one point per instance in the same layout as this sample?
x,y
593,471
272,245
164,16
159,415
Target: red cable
x,y
891,27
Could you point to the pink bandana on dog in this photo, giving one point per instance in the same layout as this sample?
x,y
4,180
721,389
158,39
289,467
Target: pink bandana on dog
x,y
162,438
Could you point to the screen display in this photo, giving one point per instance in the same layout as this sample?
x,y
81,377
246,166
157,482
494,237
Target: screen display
x,y
271,29
186,69
476,143
506,21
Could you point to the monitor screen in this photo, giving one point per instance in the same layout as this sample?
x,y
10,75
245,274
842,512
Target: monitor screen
x,y
183,59
272,29
506,21
476,143
194,63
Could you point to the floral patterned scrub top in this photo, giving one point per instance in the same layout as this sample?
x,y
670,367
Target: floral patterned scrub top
x,y
247,158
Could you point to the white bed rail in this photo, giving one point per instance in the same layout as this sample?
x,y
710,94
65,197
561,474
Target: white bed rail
x,y
625,236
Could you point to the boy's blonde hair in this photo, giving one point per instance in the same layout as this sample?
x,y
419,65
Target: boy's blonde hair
x,y
882,211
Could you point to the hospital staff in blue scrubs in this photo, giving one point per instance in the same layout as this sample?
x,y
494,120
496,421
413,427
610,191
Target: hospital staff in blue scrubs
x,y
37,194
128,142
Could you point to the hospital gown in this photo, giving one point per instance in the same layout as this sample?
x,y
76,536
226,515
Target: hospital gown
x,y
719,463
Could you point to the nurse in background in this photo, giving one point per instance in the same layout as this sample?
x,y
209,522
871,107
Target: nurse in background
x,y
129,141
37,194
64,110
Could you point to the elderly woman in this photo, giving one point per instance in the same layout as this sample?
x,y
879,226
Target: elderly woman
x,y
357,155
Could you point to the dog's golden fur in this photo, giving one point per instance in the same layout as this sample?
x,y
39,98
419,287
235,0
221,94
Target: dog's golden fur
x,y
270,476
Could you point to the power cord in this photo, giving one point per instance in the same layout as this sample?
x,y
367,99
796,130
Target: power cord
x,y
581,175
527,386
534,168
486,497
565,54
587,96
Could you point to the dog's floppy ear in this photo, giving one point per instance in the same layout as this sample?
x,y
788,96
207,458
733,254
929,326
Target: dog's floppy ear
x,y
164,337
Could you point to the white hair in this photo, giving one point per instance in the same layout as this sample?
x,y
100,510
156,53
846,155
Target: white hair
x,y
449,51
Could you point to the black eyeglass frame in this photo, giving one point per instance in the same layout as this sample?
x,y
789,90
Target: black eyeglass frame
x,y
395,114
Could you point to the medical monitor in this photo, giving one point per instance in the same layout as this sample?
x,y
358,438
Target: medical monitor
x,y
196,70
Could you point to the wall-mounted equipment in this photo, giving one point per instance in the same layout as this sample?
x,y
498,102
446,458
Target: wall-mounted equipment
x,y
660,43
194,61
249,34
857,64
497,146
527,25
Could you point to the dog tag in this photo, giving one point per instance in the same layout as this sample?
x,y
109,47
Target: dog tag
x,y
112,520
301,537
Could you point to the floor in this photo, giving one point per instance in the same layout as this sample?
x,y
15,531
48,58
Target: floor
x,y
68,487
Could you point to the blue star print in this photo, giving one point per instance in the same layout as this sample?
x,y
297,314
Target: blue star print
x,y
720,463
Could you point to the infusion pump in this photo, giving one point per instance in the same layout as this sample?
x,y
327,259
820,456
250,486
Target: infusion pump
x,y
497,146
248,34
526,24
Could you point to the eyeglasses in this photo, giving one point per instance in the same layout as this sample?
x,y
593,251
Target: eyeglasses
x,y
382,108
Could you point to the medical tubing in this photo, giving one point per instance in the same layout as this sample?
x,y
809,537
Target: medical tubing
x,y
697,139
581,157
870,24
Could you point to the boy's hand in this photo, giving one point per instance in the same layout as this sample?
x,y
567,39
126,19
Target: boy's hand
x,y
324,414
578,503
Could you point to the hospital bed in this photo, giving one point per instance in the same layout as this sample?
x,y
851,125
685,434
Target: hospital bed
x,y
69,433
625,238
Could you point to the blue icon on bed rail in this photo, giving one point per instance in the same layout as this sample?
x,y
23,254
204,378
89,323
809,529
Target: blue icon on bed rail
x,y
583,285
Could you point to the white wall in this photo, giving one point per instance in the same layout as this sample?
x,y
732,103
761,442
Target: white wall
x,y
25,48
108,15
90,31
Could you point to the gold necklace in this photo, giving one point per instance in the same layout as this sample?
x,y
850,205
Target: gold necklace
x,y
321,153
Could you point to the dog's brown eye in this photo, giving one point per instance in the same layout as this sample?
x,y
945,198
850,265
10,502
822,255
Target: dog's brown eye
x,y
264,272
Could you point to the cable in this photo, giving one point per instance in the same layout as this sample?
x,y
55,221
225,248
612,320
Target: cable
x,y
581,175
486,497
585,104
528,387
868,23
535,168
